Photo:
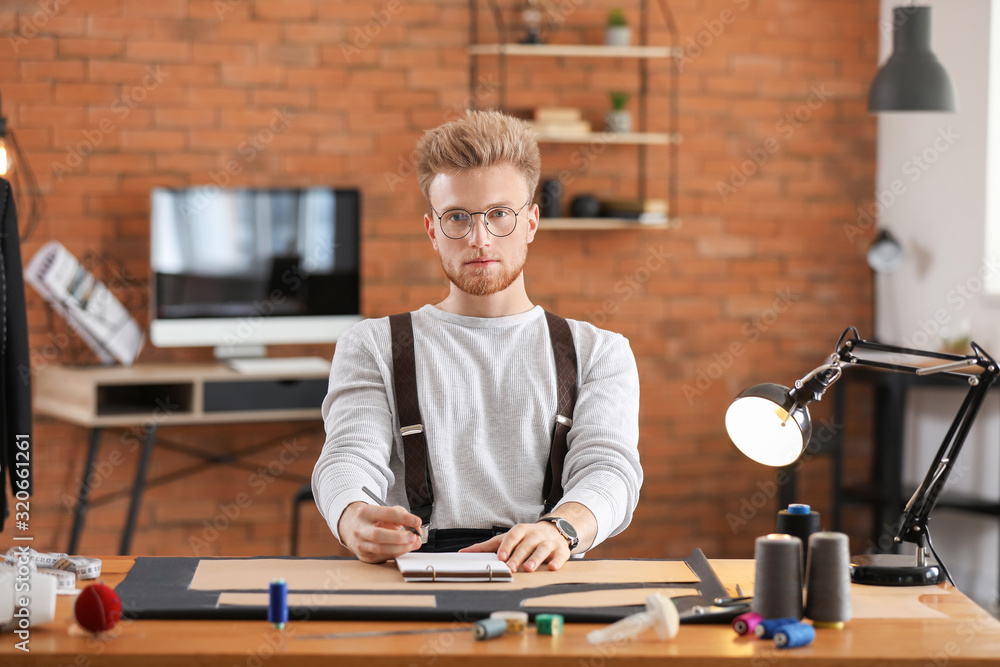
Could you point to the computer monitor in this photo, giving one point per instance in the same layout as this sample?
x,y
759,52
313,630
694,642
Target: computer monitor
x,y
241,268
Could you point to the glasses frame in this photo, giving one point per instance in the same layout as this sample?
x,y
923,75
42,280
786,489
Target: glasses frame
x,y
472,220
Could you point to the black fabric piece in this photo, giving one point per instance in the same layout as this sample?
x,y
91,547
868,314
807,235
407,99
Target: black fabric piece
x,y
157,588
455,539
419,491
15,363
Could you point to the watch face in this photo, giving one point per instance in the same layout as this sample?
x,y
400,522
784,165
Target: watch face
x,y
566,527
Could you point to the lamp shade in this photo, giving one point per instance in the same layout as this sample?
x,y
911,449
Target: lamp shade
x,y
912,79
885,254
768,425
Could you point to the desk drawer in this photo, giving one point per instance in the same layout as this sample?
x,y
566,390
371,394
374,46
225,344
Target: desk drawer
x,y
272,395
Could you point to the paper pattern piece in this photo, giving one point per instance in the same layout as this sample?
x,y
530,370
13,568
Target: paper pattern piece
x,y
313,600
453,567
86,303
615,597
256,574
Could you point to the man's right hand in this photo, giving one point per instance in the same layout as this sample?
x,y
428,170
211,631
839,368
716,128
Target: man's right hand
x,y
376,534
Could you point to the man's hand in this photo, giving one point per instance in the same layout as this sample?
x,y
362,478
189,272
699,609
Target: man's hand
x,y
527,544
376,534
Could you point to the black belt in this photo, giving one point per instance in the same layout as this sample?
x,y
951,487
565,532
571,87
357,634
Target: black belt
x,y
453,539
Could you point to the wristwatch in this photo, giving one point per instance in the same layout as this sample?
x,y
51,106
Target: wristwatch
x,y
565,529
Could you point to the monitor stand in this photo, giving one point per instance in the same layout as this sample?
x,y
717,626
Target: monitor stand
x,y
253,360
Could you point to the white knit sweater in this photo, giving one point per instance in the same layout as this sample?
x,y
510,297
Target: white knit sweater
x,y
487,393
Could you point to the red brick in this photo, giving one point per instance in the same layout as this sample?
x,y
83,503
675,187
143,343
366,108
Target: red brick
x,y
232,54
283,10
320,33
158,52
158,9
184,117
156,140
249,32
112,27
235,75
68,70
68,47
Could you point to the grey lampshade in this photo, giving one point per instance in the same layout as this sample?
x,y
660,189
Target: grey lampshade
x,y
912,79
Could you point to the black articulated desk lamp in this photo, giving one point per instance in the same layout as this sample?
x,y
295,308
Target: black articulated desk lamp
x,y
770,424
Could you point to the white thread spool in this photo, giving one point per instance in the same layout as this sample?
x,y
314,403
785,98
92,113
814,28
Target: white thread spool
x,y
778,583
828,579
41,607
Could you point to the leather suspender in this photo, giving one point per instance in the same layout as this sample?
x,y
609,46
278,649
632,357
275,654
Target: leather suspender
x,y
419,491
565,355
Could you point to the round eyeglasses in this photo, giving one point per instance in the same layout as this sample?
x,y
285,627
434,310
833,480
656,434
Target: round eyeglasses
x,y
456,223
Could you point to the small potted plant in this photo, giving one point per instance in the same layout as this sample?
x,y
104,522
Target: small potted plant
x,y
617,32
619,119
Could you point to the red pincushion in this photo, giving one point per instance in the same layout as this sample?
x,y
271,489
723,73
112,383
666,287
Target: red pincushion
x,y
98,608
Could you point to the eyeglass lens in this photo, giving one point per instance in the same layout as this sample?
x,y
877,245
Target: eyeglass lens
x,y
456,223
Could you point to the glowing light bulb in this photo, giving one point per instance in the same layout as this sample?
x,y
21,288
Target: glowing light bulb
x,y
5,163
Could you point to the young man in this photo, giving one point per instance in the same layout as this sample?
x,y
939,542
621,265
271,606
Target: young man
x,y
486,380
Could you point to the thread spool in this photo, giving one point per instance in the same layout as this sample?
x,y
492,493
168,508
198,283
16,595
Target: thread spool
x,y
549,624
489,628
794,635
746,624
517,621
778,583
277,609
799,521
41,607
766,629
828,579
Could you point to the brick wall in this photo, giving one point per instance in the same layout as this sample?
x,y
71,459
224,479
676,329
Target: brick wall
x,y
110,98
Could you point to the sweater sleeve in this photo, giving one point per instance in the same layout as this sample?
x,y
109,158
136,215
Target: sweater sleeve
x,y
358,423
602,470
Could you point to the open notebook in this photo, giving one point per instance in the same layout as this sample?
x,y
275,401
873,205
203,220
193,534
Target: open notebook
x,y
453,567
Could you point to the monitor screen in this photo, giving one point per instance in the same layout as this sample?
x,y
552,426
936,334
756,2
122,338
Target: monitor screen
x,y
244,267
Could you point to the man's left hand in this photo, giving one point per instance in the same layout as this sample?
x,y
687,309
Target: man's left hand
x,y
527,545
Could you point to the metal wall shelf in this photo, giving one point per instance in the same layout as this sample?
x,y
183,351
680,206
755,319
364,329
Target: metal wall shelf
x,y
642,139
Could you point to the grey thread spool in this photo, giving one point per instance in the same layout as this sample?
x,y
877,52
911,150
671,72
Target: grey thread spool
x,y
778,581
828,579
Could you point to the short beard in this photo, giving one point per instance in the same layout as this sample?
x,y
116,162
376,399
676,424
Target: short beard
x,y
485,281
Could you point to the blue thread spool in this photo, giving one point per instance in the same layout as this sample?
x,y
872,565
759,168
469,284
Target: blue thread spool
x,y
277,608
489,628
794,635
766,628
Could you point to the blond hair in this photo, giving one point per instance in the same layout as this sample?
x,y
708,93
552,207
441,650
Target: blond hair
x,y
478,139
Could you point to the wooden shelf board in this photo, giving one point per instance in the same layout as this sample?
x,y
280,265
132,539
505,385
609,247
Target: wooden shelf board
x,y
571,50
603,223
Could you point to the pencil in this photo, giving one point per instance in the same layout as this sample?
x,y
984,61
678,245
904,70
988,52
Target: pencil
x,y
382,503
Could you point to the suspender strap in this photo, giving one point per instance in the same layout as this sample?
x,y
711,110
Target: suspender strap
x,y
565,356
419,493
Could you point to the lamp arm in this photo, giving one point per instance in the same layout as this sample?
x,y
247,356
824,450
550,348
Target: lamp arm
x,y
913,523
916,514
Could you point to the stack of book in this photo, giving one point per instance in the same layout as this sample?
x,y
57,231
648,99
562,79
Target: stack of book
x,y
645,211
560,121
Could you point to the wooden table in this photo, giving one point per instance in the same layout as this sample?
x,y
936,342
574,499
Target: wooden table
x,y
967,636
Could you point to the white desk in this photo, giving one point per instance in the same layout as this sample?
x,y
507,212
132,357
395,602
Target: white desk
x,y
147,396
